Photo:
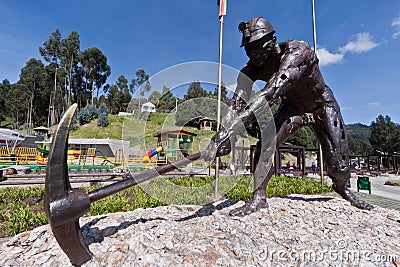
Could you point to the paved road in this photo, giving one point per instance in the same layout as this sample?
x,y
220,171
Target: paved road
x,y
382,195
378,187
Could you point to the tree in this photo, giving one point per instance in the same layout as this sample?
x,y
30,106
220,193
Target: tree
x,y
32,77
167,101
118,99
191,111
155,97
51,53
4,88
141,83
359,147
198,103
70,47
304,137
124,94
122,83
118,95
224,94
16,103
385,135
95,69
194,91
113,99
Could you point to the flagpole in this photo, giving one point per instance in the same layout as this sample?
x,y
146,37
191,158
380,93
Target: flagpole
x,y
221,14
314,27
321,161
217,160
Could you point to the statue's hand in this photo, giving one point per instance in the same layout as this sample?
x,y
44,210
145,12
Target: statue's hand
x,y
220,145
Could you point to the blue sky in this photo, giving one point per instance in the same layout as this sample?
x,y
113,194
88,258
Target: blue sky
x,y
358,41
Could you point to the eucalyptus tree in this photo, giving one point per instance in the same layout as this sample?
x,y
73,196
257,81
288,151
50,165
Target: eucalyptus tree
x,y
95,69
122,83
16,102
167,101
140,82
51,51
125,96
118,95
113,98
70,47
32,77
4,88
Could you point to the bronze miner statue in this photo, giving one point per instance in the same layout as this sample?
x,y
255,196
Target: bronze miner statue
x,y
290,70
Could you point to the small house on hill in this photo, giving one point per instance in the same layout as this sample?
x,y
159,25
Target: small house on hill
x,y
206,123
148,107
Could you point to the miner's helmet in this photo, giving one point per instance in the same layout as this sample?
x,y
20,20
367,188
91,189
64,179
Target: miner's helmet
x,y
254,30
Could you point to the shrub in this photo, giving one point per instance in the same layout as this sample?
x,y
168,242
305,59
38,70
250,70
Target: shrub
x,y
87,114
102,109
103,115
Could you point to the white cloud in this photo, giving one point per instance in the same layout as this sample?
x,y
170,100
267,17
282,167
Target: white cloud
x,y
361,43
347,108
327,58
374,104
396,26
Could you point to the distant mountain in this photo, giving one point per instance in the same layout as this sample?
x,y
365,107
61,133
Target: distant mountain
x,y
359,131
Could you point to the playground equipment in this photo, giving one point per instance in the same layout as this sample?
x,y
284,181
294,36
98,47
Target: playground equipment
x,y
152,153
177,144
36,158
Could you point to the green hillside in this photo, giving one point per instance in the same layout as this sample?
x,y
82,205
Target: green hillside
x,y
130,128
91,130
134,130
359,131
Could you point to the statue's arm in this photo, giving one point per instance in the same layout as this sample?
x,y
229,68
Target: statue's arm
x,y
241,96
244,86
295,63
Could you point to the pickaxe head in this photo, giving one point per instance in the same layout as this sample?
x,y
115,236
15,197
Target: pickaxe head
x,y
64,205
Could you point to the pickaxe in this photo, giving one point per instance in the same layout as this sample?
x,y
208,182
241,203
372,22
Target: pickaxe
x,y
64,205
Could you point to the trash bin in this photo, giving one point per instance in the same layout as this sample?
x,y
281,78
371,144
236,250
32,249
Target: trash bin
x,y
363,183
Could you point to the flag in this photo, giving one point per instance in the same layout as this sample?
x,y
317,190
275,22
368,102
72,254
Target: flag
x,y
222,8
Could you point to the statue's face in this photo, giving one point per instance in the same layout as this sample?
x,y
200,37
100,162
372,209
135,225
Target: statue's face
x,y
258,51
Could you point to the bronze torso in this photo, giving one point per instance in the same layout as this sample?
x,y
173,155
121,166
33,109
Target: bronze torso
x,y
305,93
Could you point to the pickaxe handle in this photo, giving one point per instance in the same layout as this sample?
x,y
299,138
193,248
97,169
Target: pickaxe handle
x,y
111,189
64,205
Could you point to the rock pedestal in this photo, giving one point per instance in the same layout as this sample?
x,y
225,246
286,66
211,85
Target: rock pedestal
x,y
296,230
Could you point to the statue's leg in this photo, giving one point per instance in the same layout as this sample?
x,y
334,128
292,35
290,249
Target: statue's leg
x,y
265,150
331,132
